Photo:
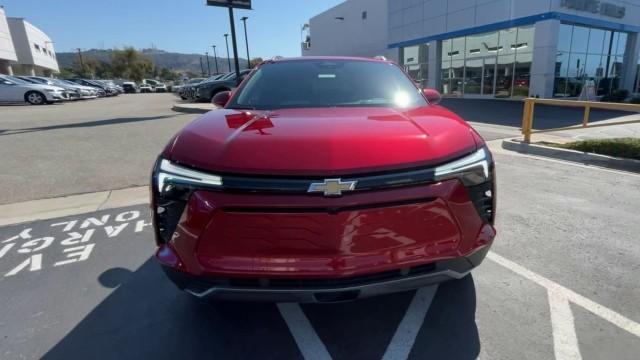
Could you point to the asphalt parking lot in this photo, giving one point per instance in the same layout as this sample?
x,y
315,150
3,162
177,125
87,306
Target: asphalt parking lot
x,y
560,282
83,146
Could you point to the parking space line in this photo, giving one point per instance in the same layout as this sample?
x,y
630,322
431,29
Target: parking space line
x,y
303,333
565,341
405,335
611,316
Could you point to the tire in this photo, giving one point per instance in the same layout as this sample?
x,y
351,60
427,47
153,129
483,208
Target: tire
x,y
35,98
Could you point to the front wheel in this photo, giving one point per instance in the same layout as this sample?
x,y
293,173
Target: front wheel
x,y
35,98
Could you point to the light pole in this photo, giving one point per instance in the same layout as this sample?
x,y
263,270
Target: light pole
x,y
226,39
215,57
208,67
81,62
246,42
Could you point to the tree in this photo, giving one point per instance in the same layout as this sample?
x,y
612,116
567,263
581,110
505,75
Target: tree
x,y
129,63
167,74
256,61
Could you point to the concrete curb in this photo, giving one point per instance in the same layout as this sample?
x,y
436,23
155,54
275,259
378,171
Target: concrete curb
x,y
572,155
71,205
193,108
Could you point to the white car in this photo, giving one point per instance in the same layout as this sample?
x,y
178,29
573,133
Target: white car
x,y
14,90
145,88
156,85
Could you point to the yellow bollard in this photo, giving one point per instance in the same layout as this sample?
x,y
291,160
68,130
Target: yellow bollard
x,y
587,112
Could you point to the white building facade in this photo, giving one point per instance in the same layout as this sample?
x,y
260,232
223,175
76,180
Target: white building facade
x,y
494,48
34,49
7,50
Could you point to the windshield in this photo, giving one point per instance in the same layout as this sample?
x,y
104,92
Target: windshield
x,y
328,83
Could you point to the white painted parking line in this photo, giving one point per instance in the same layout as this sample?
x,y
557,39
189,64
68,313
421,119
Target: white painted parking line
x,y
303,333
405,335
565,341
613,317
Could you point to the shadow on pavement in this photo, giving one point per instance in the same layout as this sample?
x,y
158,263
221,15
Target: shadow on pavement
x,y
147,317
4,132
509,113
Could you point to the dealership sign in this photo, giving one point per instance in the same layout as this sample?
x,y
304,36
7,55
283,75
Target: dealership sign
x,y
238,4
596,7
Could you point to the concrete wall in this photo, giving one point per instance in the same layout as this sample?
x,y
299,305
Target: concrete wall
x,y
31,60
353,36
7,51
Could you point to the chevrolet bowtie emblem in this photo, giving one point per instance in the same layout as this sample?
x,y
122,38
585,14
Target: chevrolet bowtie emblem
x,y
332,187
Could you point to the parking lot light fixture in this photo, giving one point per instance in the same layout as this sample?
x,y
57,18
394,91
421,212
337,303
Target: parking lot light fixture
x,y
246,41
226,40
208,67
215,58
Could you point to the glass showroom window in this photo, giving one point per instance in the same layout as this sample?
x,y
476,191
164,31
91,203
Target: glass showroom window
x,y
415,60
494,64
588,54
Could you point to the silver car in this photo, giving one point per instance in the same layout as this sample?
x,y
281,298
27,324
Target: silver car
x,y
14,90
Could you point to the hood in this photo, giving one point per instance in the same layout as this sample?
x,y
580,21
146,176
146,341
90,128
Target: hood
x,y
321,141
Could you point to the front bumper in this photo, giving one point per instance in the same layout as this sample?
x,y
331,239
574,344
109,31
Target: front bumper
x,y
325,290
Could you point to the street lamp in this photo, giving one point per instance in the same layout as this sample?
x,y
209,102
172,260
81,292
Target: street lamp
x,y
208,67
244,20
215,57
226,39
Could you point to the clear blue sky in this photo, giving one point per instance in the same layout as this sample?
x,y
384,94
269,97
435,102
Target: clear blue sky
x,y
186,26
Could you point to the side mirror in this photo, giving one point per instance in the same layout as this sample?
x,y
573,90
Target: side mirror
x,y
221,99
432,95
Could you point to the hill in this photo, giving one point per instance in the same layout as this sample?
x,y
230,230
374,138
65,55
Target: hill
x,y
174,61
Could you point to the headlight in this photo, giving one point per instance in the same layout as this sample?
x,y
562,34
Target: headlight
x,y
173,185
170,174
471,170
476,171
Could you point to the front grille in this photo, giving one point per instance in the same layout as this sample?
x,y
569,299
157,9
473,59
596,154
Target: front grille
x,y
329,210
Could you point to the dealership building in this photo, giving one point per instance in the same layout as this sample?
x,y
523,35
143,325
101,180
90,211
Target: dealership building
x,y
25,49
491,48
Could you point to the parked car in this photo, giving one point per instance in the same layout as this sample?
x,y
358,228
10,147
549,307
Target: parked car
x,y
112,84
129,87
74,92
206,90
85,92
180,90
13,89
145,88
320,180
108,91
156,85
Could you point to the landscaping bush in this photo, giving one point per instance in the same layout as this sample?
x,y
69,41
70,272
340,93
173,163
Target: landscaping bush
x,y
621,147
619,95
635,100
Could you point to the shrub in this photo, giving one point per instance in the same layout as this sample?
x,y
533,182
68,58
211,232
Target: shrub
x,y
621,147
635,100
619,95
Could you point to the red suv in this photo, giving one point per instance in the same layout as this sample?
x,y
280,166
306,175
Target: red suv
x,y
322,179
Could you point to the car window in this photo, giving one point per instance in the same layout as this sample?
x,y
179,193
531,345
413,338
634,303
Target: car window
x,y
16,80
328,83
